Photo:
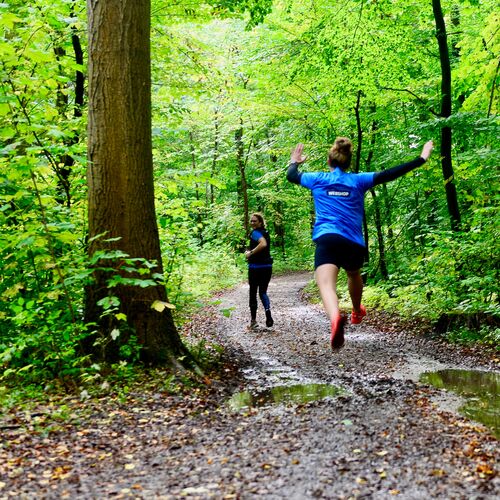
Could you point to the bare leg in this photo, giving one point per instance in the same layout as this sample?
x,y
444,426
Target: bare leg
x,y
326,278
355,285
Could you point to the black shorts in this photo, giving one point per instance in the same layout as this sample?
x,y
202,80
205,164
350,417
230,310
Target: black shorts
x,y
335,249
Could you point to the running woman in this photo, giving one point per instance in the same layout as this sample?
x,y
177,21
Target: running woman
x,y
339,206
260,268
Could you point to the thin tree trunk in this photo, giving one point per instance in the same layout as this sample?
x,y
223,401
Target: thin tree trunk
x,y
359,133
380,237
215,156
493,85
446,133
356,170
279,226
199,215
66,161
378,218
243,187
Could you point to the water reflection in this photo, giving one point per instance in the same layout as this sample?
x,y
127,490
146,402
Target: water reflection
x,y
294,394
481,390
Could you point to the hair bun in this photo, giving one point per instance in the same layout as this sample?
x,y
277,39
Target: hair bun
x,y
343,145
341,152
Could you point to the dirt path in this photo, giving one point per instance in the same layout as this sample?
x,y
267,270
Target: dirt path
x,y
384,437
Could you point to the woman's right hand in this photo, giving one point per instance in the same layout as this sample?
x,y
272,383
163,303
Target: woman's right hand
x,y
297,156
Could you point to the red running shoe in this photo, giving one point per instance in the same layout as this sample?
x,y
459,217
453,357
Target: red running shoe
x,y
337,339
357,317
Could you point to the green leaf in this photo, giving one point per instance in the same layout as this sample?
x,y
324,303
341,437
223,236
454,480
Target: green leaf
x,y
160,306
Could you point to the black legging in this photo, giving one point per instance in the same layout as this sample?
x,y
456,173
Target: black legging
x,y
259,279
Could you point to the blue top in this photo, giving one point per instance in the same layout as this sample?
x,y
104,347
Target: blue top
x,y
339,202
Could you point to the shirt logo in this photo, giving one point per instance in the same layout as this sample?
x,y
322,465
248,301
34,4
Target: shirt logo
x,y
338,193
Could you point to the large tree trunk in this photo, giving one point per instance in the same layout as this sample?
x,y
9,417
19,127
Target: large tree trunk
x,y
446,136
120,180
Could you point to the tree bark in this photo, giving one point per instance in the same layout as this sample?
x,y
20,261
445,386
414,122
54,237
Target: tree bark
x,y
120,180
446,133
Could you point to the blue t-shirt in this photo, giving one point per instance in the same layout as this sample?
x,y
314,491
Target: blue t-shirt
x,y
339,202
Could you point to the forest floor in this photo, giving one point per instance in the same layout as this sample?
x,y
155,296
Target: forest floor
x,y
385,435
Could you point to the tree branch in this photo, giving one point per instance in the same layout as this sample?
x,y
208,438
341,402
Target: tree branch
x,y
412,94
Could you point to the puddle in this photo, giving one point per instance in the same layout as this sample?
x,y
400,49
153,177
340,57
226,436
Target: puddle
x,y
480,390
282,395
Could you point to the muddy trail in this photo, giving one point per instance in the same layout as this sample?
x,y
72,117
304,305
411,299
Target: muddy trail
x,y
369,430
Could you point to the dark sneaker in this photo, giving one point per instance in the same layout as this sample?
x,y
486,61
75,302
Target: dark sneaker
x,y
357,317
253,324
269,319
337,339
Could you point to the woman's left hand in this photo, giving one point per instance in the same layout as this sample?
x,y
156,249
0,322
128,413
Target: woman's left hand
x,y
427,150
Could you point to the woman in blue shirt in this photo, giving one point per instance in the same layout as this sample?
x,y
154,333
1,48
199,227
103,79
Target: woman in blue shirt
x,y
339,205
260,268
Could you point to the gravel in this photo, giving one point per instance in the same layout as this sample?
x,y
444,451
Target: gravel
x,y
386,436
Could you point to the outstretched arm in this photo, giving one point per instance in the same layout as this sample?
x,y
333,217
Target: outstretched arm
x,y
395,172
296,158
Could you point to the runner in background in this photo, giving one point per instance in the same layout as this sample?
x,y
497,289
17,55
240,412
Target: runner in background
x,y
260,268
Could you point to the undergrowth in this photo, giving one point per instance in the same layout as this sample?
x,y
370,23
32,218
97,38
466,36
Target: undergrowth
x,y
117,380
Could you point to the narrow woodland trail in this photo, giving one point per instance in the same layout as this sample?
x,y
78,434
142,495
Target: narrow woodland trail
x,y
384,437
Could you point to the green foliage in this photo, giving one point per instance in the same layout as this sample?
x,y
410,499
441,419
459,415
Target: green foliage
x,y
41,335
295,76
485,335
257,9
456,272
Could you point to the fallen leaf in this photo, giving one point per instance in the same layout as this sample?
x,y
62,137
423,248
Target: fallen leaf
x,y
438,472
484,469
